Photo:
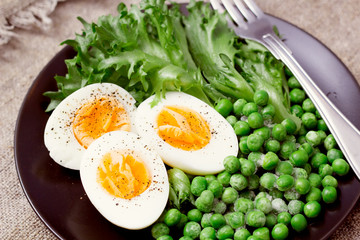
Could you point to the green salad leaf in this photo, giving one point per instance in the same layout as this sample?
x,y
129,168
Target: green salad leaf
x,y
179,187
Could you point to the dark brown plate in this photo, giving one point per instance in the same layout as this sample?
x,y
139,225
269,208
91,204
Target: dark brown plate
x,y
56,193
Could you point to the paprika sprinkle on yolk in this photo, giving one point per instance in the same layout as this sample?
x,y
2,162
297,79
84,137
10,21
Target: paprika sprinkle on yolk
x,y
123,174
97,117
183,128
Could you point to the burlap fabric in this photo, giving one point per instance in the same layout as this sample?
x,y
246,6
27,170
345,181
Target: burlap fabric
x,y
335,23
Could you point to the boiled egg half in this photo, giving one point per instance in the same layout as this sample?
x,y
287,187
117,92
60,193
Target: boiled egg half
x,y
84,116
125,180
187,133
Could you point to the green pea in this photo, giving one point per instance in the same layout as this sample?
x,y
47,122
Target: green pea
x,y
225,232
267,180
208,233
299,158
255,157
340,167
325,169
224,178
205,202
308,105
313,138
264,132
241,128
235,219
293,82
183,220
313,195
285,182
238,106
198,184
270,161
286,149
280,230
242,234
315,180
276,193
291,194
220,207
279,205
254,182
210,178
268,112
312,209
255,120
284,167
302,131
302,186
307,148
290,125
322,135
279,132
330,142
192,229
243,145
224,107
284,217
309,120
329,181
262,233
217,220
216,188
254,142
249,108
298,222
165,237
261,97
318,159
263,204
238,182
301,139
205,220
333,154
308,168
194,215
272,145
271,220
295,207
172,217
289,74
297,110
159,229
231,164
297,95
248,168
255,218
243,205
321,125
231,119
329,194
229,195
185,238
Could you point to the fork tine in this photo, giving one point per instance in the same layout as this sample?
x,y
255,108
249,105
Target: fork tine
x,y
250,17
217,6
254,8
237,18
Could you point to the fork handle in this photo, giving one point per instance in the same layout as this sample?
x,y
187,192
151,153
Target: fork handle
x,y
345,133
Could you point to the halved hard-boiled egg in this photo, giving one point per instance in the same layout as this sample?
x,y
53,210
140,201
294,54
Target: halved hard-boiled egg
x,y
125,180
84,116
187,133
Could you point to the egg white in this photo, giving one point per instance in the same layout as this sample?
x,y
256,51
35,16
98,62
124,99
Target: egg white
x,y
58,135
207,160
135,213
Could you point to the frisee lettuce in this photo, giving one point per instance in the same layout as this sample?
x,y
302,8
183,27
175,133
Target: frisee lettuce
x,y
155,48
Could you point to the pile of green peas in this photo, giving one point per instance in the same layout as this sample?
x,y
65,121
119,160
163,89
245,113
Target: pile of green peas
x,y
282,177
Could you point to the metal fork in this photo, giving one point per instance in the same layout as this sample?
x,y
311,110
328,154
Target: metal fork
x,y
251,24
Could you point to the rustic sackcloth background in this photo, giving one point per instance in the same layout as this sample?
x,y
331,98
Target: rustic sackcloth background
x,y
335,23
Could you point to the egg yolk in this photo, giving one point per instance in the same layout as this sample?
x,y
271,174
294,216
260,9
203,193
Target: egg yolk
x,y
183,128
97,117
123,174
